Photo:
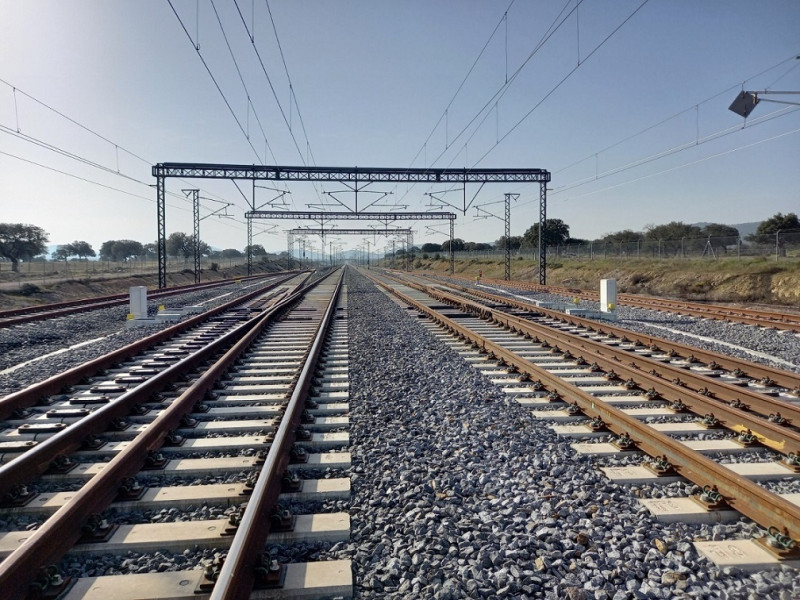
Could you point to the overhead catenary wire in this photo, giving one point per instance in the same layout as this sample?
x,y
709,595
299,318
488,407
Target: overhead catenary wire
x,y
81,159
85,128
216,83
753,122
494,100
251,36
682,112
241,79
80,178
561,82
691,163
269,79
291,85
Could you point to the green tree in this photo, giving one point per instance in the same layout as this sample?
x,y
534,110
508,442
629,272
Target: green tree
x,y
778,222
720,236
150,250
120,250
180,244
19,241
674,235
458,245
772,226
477,246
430,247
257,250
62,253
555,232
80,249
626,236
515,242
231,253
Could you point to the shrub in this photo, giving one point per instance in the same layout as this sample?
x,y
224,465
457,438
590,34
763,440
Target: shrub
x,y
214,266
29,289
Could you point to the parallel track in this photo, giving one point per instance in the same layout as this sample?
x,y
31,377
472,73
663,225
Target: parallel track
x,y
547,362
747,316
30,314
273,366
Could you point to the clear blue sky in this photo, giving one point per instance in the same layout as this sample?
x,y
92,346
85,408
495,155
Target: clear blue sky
x,y
635,129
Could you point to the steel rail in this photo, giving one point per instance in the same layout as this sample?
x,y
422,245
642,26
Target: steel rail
x,y
758,403
43,312
236,578
785,379
59,533
769,434
750,499
784,321
53,385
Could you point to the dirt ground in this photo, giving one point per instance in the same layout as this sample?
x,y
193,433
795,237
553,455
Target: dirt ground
x,y
752,281
29,292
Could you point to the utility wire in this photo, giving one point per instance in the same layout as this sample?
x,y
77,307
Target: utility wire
x,y
241,78
291,86
684,111
85,179
688,164
269,80
558,22
463,82
66,153
560,83
88,129
554,26
216,84
676,149
686,146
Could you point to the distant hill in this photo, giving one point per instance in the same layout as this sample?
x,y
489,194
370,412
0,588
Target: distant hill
x,y
745,229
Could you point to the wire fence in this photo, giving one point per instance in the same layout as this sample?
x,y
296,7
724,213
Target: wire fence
x,y
783,245
47,271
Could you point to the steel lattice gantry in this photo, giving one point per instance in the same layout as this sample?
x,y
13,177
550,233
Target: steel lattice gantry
x,y
163,171
322,232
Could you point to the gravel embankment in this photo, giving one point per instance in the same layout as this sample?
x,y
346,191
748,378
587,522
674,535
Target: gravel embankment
x,y
27,342
459,493
756,344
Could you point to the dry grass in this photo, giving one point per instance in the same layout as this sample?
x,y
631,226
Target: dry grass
x,y
754,280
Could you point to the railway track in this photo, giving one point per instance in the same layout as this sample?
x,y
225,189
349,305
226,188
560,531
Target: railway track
x,y
746,316
19,316
570,458
554,365
243,404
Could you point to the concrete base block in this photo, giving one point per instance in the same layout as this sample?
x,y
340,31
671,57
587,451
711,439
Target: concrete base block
x,y
131,323
304,581
741,554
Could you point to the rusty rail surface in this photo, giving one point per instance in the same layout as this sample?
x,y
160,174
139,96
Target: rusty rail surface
x,y
235,581
60,532
772,435
747,316
785,379
763,507
53,385
759,403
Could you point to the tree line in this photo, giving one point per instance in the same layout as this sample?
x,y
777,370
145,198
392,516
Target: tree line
x,y
24,242
557,233
20,241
